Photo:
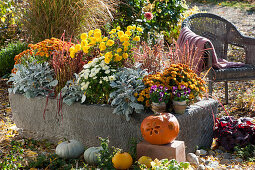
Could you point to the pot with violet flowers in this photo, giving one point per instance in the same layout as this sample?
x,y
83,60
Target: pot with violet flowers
x,y
180,98
159,97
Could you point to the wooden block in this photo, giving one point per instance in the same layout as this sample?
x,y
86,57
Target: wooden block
x,y
174,150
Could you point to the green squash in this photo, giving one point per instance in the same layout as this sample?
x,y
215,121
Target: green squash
x,y
91,155
70,149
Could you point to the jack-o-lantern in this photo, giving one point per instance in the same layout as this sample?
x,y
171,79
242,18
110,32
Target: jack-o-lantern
x,y
160,129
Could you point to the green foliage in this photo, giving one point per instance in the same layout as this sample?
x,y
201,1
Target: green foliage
x,y
13,159
7,56
33,80
165,16
71,92
132,149
128,82
105,156
51,161
246,153
9,22
169,164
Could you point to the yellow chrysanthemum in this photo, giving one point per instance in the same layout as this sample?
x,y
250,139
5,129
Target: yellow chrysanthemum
x,y
125,48
119,50
91,32
118,28
97,34
102,46
126,38
84,43
97,31
99,39
110,43
128,33
135,94
108,55
120,33
113,30
126,44
93,40
77,48
72,54
85,49
134,27
84,36
139,29
107,60
71,49
129,28
117,57
125,55
105,39
136,38
122,38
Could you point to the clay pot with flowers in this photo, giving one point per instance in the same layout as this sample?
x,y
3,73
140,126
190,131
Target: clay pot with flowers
x,y
159,97
180,98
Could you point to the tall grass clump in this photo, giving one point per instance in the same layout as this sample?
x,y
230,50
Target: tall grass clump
x,y
7,56
44,19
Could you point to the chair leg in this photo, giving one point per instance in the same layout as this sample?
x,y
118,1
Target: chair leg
x,y
226,91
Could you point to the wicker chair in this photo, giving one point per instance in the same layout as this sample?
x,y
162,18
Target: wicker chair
x,y
222,33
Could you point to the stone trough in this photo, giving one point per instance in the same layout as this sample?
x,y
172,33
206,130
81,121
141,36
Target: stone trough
x,y
86,122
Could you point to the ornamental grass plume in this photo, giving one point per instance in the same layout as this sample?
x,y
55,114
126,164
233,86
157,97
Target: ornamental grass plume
x,y
186,55
151,58
44,19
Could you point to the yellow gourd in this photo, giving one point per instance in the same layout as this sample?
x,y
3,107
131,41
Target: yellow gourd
x,y
145,160
122,160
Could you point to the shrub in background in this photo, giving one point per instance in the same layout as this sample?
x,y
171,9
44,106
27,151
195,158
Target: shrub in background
x,y
164,15
44,19
177,29
7,56
9,21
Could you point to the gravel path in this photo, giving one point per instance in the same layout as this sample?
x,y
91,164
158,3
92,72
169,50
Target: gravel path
x,y
242,19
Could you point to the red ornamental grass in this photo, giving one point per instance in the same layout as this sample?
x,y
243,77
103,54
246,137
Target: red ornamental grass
x,y
65,66
150,57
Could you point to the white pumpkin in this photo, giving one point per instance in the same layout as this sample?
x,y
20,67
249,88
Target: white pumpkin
x,y
91,155
70,149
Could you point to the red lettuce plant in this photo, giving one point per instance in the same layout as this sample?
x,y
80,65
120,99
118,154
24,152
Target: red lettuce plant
x,y
231,132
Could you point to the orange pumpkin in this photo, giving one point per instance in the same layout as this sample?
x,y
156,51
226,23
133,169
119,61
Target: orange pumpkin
x,y
160,129
122,160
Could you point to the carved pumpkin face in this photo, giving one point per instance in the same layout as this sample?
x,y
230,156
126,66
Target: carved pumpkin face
x,y
160,129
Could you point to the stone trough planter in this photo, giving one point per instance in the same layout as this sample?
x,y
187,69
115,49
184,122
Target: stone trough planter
x,y
86,122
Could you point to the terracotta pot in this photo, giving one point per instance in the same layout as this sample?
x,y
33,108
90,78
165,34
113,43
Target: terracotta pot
x,y
158,107
179,107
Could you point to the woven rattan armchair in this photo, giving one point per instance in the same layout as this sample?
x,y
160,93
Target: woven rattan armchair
x,y
222,33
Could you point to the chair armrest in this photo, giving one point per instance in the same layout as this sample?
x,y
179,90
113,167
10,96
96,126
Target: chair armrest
x,y
249,46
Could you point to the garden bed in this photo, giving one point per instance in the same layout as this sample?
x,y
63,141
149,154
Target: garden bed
x,y
86,122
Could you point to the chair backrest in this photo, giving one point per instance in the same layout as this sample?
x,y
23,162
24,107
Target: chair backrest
x,y
217,29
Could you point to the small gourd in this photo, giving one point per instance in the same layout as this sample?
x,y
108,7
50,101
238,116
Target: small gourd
x,y
145,160
122,160
91,155
70,149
